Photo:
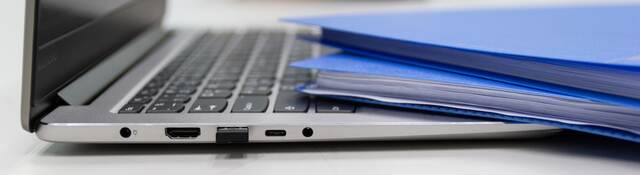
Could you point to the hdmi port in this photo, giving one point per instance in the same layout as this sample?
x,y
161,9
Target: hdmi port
x,y
182,133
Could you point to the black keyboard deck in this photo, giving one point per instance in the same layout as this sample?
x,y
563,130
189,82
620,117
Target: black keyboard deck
x,y
211,71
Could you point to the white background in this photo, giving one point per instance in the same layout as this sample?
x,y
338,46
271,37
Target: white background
x,y
23,153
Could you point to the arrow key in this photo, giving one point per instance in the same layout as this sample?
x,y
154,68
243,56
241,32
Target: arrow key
x,y
208,106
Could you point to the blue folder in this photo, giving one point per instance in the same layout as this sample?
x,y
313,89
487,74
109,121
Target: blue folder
x,y
359,64
591,52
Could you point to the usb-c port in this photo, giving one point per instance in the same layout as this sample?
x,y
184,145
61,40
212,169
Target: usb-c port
x,y
275,133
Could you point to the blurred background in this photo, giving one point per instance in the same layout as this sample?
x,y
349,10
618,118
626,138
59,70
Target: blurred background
x,y
231,13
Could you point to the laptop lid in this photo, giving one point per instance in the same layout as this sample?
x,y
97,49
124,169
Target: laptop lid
x,y
65,38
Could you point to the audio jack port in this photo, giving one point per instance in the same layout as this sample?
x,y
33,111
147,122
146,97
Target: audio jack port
x,y
125,132
307,132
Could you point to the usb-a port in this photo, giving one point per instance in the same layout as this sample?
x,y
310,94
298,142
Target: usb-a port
x,y
227,135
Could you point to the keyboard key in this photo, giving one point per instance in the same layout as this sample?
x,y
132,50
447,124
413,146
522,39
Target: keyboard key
x,y
186,83
181,90
160,78
141,100
155,84
266,64
186,90
175,99
222,81
131,108
215,93
291,102
292,81
262,75
330,106
208,106
288,87
149,92
250,104
229,75
256,90
166,104
229,69
224,78
222,86
264,68
296,71
166,107
174,96
259,82
190,77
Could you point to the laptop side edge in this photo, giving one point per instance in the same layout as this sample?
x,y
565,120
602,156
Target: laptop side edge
x,y
27,63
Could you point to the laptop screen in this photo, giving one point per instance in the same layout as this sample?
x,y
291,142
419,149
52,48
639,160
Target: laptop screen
x,y
71,36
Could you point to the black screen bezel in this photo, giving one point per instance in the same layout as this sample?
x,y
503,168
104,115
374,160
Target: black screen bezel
x,y
113,31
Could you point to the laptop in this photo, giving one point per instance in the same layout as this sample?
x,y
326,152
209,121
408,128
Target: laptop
x,y
100,71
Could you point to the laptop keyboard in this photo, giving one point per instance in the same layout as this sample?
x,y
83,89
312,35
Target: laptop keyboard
x,y
237,71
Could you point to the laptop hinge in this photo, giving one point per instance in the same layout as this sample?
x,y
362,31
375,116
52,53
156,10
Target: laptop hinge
x,y
88,86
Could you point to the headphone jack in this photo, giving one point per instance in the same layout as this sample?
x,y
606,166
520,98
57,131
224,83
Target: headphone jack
x,y
125,132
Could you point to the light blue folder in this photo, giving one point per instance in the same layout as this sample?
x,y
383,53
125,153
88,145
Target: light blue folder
x,y
359,64
591,52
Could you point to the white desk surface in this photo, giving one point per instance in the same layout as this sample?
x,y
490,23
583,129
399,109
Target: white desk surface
x,y
23,153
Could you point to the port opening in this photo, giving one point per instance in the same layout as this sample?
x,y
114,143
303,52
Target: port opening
x,y
182,133
226,135
125,132
275,133
307,132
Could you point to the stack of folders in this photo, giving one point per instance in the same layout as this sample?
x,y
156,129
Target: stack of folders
x,y
571,67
